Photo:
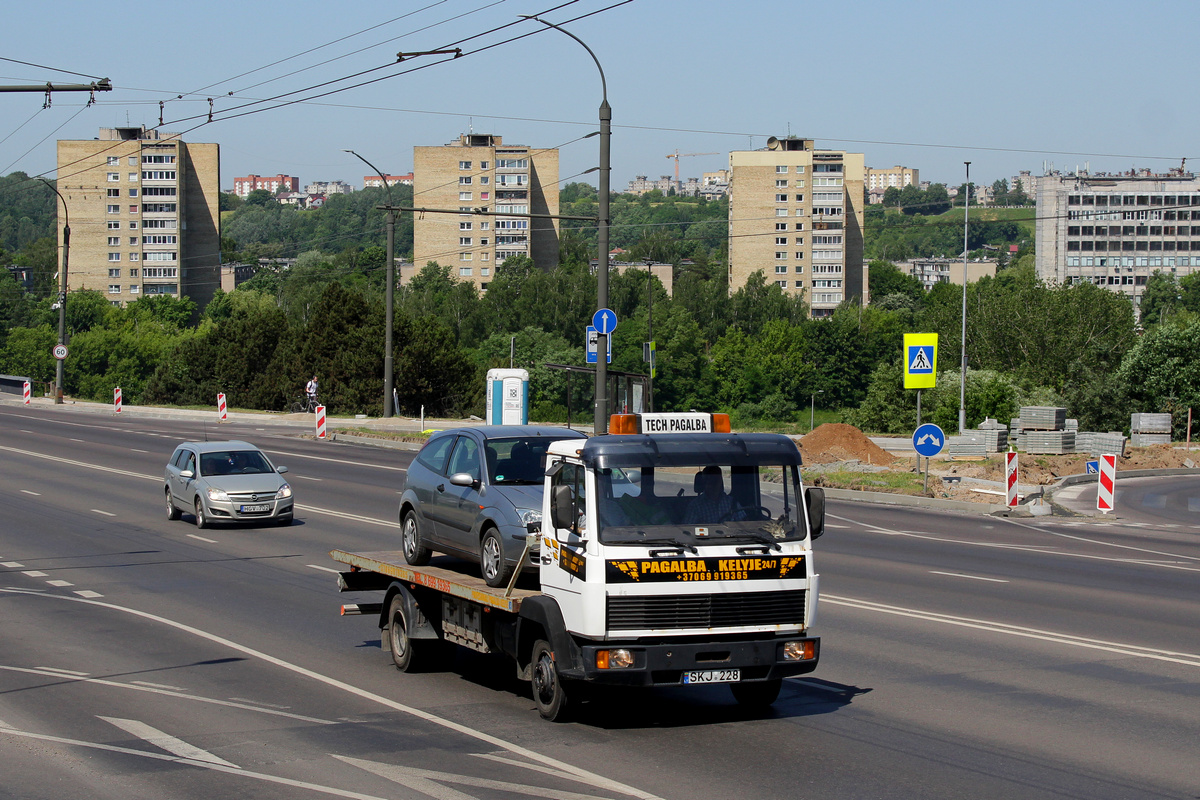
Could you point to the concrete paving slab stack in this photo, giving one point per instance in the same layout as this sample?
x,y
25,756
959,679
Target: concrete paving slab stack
x,y
1146,430
1044,430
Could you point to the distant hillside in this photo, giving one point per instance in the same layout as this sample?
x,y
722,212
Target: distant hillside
x,y
27,208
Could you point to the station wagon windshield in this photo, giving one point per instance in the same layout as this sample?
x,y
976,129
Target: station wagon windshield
x,y
234,462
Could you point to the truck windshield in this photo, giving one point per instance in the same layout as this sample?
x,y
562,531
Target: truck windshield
x,y
691,505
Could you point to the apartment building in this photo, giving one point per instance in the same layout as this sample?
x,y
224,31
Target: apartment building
x,y
327,188
932,271
795,214
480,172
143,208
884,179
242,187
1115,230
375,182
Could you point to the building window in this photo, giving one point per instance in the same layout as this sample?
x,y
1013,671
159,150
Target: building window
x,y
133,240
483,165
114,256
156,175
800,212
114,241
780,255
800,170
464,165
799,284
114,288
114,192
114,209
161,257
781,269
465,196
781,198
485,180
133,160
464,256
114,161
465,272
484,257
799,198
780,240
799,227
114,273
133,256
161,238
484,272
781,284
781,212
781,226
133,192
799,254
133,177
799,240
464,226
485,195
799,269
133,288
483,226
464,241
115,225
781,169
113,177
465,180
133,273
133,224
781,184
483,243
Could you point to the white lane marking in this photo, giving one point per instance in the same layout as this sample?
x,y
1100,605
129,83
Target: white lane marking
x,y
1121,648
495,741
512,762
1039,548
77,440
323,569
71,672
960,575
165,690
4,724
839,527
108,748
35,573
105,513
60,584
11,564
306,478
250,702
425,781
35,494
88,593
136,450
813,685
158,479
201,538
167,742
290,454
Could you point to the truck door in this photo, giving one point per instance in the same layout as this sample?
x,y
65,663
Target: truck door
x,y
564,560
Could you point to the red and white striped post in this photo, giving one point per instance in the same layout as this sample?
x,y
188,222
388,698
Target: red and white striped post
x,y
221,407
320,422
1106,490
117,400
26,392
1010,476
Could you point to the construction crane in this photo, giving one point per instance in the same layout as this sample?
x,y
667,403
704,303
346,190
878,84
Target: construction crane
x,y
678,155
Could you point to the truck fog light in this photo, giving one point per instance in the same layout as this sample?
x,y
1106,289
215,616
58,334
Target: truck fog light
x,y
614,659
798,651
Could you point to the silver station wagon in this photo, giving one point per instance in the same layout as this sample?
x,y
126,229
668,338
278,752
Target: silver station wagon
x,y
471,492
226,482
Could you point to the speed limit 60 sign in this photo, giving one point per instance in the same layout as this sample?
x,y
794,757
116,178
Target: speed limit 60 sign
x,y
60,351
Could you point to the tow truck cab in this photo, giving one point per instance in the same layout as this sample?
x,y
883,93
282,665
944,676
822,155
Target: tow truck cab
x,y
681,555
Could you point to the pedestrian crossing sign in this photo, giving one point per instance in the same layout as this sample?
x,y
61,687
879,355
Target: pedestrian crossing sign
x,y
920,360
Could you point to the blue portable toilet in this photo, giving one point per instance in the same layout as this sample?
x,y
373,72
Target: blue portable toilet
x,y
507,397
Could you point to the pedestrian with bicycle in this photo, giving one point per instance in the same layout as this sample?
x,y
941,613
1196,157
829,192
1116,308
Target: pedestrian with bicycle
x,y
310,389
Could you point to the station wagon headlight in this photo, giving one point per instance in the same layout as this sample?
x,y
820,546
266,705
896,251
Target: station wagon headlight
x,y
528,515
217,494
284,491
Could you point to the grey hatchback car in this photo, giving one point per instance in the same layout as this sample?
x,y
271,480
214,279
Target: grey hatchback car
x,y
470,492
226,482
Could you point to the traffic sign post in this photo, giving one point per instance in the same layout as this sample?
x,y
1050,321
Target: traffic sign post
x,y
320,415
928,440
117,400
221,407
1010,478
1106,489
60,351
592,345
26,392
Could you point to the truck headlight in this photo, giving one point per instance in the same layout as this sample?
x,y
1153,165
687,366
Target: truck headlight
x,y
217,494
614,659
284,491
799,651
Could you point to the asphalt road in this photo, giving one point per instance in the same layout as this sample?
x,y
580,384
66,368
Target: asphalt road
x,y
962,656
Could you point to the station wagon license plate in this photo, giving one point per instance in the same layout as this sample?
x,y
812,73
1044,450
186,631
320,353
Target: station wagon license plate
x,y
713,676
255,509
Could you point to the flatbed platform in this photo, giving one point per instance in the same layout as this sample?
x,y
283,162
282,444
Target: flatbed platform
x,y
469,587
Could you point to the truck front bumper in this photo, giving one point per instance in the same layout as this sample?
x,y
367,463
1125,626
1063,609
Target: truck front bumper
x,y
664,664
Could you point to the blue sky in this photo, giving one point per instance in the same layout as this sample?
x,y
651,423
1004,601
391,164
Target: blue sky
x,y
1007,86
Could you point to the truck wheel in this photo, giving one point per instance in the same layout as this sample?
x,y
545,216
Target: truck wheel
x,y
758,694
491,559
549,694
415,552
409,655
201,520
172,511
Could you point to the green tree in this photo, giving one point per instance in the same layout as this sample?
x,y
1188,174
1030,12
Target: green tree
x,y
885,279
1161,296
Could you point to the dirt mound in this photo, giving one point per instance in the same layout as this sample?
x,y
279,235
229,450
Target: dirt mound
x,y
837,442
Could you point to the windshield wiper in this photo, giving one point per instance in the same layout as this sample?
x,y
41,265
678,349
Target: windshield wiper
x,y
760,536
691,548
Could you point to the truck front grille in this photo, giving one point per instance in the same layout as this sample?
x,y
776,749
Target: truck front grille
x,y
705,611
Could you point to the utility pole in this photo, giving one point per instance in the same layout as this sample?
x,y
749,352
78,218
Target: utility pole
x,y
62,293
962,397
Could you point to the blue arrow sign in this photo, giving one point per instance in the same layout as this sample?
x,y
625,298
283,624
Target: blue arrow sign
x,y
605,321
928,440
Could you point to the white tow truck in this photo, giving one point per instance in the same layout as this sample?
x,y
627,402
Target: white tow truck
x,y
670,552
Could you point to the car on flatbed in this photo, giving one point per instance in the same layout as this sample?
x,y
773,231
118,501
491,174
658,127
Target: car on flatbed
x,y
229,481
472,492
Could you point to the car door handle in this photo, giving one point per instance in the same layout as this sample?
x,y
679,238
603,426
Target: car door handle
x,y
441,487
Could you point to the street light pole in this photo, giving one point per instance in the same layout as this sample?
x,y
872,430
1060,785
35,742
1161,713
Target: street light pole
x,y
389,292
962,395
601,417
812,409
62,293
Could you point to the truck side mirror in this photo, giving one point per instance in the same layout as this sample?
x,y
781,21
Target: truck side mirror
x,y
562,507
814,499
